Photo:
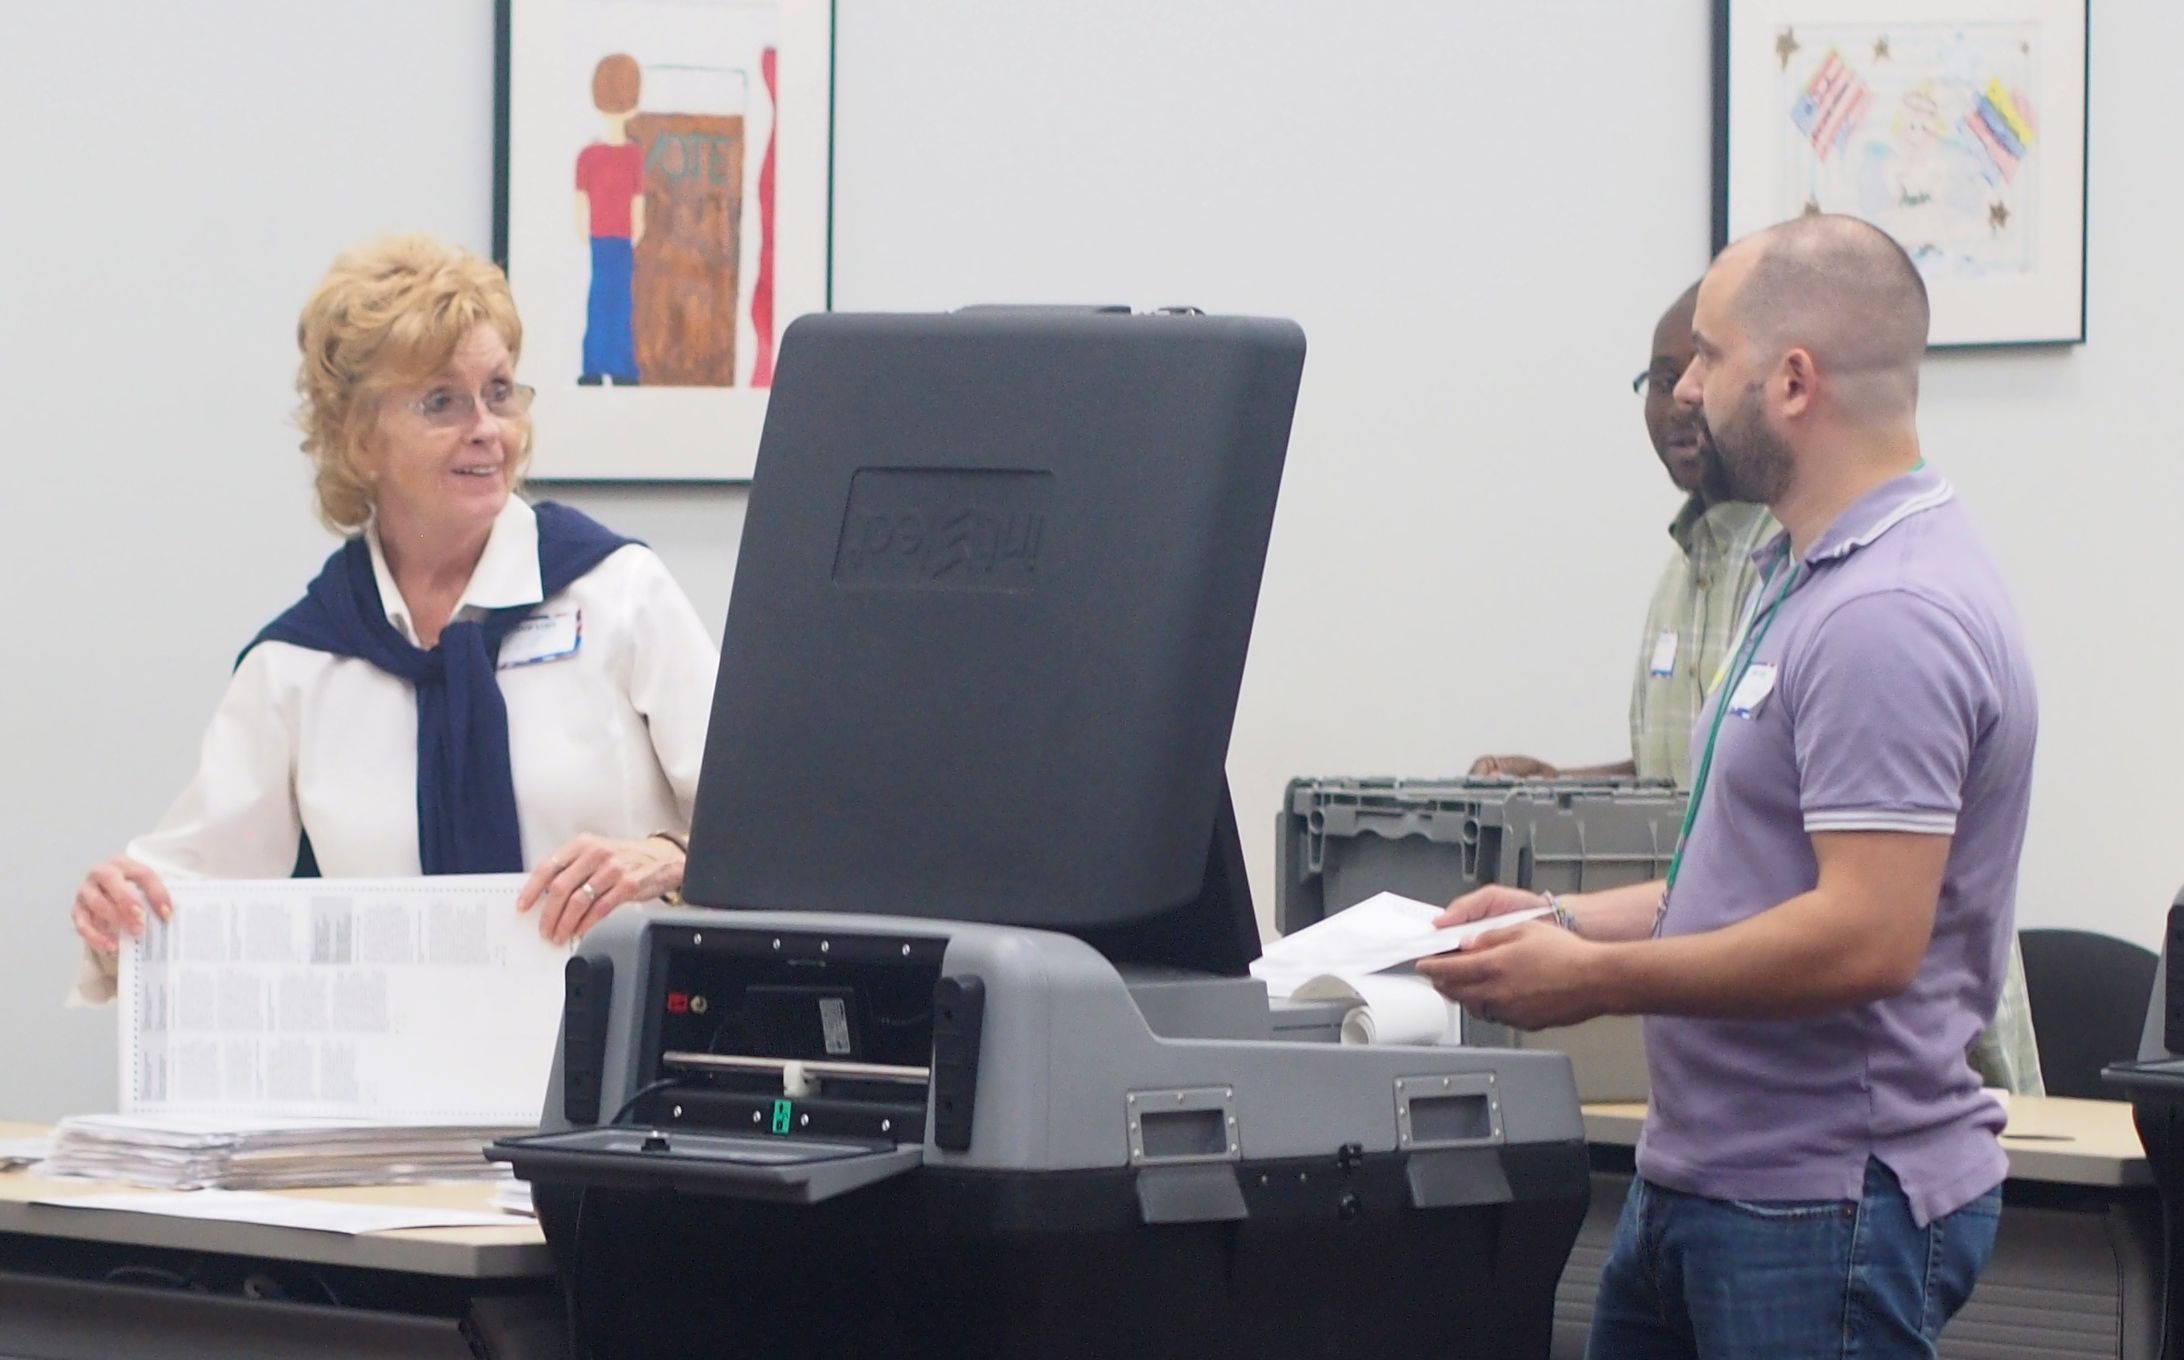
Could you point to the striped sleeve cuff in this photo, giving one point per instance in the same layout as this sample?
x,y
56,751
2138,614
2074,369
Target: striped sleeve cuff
x,y
1882,819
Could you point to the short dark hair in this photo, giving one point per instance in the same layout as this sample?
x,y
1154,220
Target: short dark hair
x,y
1842,289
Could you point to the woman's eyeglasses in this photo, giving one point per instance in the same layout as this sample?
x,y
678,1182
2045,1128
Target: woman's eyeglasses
x,y
447,409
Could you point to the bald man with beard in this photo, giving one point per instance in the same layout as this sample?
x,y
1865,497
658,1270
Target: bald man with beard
x,y
1820,1172
1698,600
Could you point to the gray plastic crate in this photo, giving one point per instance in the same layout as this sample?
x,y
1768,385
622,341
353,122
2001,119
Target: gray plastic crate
x,y
1342,840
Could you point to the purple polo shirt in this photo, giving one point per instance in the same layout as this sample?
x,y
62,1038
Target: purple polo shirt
x,y
1902,700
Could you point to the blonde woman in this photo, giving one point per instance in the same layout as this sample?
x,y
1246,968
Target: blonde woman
x,y
472,684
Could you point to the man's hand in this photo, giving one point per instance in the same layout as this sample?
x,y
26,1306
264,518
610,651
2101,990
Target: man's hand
x,y
1532,976
1512,767
1495,899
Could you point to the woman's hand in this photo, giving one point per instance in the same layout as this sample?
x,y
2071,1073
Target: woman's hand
x,y
592,875
110,903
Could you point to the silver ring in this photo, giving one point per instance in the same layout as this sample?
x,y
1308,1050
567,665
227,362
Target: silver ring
x,y
589,891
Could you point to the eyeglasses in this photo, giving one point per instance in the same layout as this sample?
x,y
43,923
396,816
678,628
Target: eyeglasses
x,y
1665,379
444,408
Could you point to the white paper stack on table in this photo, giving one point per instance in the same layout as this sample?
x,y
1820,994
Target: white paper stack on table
x,y
194,1152
300,1032
1363,956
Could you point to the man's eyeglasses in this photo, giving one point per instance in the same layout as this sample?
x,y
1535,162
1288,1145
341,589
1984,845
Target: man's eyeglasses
x,y
444,408
1662,378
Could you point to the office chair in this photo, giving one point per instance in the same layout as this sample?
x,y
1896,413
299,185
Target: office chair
x,y
2088,994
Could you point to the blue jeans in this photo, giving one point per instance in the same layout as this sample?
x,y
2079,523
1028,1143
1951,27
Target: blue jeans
x,y
1709,1279
610,342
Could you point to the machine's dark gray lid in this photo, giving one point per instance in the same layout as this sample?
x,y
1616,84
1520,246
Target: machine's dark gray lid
x,y
989,621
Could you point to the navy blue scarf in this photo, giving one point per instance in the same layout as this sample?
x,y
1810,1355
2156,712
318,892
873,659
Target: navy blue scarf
x,y
466,792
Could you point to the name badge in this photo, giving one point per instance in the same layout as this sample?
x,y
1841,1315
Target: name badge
x,y
1664,656
1751,691
543,637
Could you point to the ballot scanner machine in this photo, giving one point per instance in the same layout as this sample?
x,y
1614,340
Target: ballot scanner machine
x,y
961,1056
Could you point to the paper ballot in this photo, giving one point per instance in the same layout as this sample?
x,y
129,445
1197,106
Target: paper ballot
x,y
1364,955
1381,932
410,1001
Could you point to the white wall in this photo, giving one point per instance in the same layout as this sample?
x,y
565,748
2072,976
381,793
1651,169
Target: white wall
x,y
1476,210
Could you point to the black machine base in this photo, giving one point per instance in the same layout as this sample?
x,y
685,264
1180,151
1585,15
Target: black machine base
x,y
1331,1259
2155,1088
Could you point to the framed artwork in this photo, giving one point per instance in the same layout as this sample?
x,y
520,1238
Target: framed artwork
x,y
662,199
1957,126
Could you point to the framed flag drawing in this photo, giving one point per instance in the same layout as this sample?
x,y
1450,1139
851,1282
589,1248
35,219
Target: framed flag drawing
x,y
663,187
1957,126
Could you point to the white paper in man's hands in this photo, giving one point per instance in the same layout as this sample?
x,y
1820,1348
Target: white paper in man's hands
x,y
1379,933
1364,955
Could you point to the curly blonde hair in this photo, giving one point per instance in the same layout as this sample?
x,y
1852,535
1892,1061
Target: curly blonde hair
x,y
387,315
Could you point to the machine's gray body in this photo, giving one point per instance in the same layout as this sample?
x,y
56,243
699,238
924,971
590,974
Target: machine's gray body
x,y
1067,1044
1139,1147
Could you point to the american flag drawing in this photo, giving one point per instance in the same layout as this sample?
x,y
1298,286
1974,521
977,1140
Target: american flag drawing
x,y
1831,105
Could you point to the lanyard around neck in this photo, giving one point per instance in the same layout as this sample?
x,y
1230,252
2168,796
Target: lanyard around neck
x,y
1726,692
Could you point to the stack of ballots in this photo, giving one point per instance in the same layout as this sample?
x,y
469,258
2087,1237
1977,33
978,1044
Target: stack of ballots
x,y
286,1033
230,1152
1363,956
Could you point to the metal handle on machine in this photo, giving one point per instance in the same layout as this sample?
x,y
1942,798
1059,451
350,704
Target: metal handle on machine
x,y
818,1067
1181,1127
1457,1111
1184,1143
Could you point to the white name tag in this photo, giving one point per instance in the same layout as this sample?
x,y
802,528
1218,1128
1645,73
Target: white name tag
x,y
1664,656
1751,691
543,637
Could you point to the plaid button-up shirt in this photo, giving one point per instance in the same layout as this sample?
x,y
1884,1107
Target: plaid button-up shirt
x,y
1696,606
